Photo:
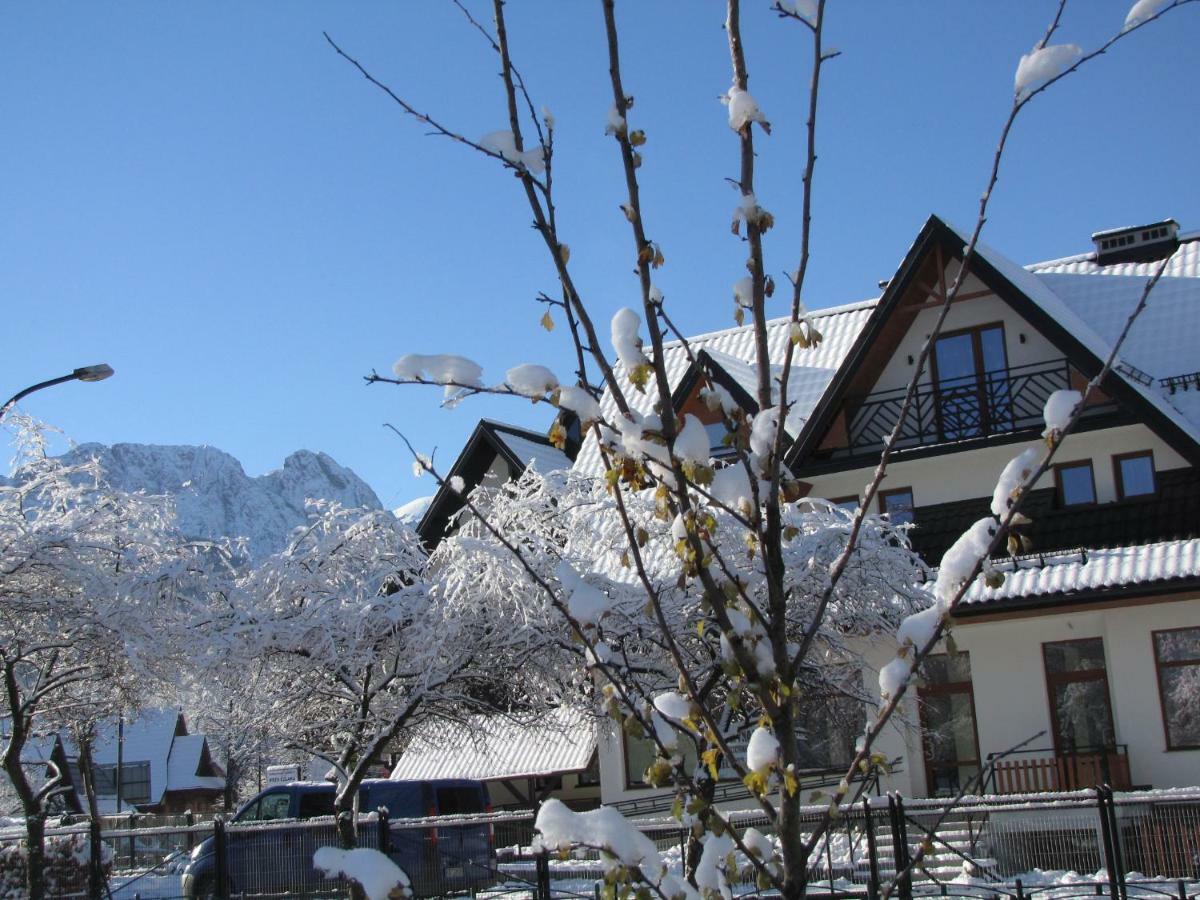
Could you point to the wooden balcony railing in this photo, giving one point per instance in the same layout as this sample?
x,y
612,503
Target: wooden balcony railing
x,y
974,406
1032,771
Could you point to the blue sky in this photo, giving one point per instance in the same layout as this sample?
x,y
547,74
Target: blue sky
x,y
207,198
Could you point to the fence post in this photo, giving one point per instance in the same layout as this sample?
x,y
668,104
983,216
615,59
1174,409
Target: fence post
x,y
900,845
543,876
189,820
385,830
132,840
221,858
1020,890
872,853
1109,841
1114,829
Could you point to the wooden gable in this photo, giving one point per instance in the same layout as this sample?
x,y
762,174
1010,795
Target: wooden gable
x,y
833,437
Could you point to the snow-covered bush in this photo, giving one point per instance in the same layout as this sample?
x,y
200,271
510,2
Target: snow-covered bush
x,y
65,867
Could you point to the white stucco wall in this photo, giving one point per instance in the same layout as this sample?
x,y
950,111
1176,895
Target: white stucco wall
x,y
1011,699
942,479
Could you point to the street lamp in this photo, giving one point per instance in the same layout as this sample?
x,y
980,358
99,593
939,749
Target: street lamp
x,y
86,373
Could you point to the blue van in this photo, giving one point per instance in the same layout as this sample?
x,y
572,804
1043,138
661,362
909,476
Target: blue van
x,y
277,859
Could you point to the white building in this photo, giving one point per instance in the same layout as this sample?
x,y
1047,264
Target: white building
x,y
1094,639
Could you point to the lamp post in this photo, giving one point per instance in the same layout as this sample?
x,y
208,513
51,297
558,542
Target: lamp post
x,y
86,373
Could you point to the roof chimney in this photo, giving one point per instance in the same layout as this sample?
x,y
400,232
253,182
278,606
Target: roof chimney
x,y
1137,243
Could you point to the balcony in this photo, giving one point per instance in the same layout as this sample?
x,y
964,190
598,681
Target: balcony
x,y
992,403
1033,771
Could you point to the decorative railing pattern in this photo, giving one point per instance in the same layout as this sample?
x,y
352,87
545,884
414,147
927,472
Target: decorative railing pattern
x,y
957,409
1032,771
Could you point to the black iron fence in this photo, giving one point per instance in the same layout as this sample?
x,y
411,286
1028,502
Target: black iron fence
x,y
1054,845
957,409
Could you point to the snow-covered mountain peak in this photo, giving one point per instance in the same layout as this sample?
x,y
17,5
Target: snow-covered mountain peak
x,y
215,498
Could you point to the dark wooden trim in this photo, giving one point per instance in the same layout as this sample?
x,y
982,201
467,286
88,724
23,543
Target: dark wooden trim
x,y
1053,679
1060,497
935,233
1119,479
1170,664
1034,605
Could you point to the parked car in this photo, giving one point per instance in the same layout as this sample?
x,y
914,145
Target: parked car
x,y
271,841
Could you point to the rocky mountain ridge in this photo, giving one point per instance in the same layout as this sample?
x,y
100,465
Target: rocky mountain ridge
x,y
215,498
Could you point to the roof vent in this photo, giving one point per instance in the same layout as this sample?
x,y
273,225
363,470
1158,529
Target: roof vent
x,y
1140,243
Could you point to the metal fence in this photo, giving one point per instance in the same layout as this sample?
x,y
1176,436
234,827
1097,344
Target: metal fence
x,y
1047,845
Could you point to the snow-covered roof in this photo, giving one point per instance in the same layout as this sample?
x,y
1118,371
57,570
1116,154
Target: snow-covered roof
x,y
532,448
1184,263
147,738
412,511
1060,575
183,766
733,350
1094,308
487,748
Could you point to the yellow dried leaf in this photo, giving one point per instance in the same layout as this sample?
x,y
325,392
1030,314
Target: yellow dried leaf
x,y
546,321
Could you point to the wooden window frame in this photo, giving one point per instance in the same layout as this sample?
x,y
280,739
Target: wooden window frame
x,y
1119,479
1054,679
975,331
849,498
1159,665
881,499
948,687
1059,497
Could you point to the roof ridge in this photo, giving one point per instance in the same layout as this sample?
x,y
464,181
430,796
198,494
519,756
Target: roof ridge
x,y
1090,255
841,309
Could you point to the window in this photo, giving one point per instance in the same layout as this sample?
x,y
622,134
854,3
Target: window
x,y
948,733
1177,657
850,504
135,781
1134,474
720,440
1075,482
897,505
970,373
1077,683
267,808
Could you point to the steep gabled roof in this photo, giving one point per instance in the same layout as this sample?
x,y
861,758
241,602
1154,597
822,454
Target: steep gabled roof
x,y
518,447
1034,300
732,352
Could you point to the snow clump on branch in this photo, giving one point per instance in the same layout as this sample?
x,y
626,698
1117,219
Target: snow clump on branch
x,y
579,401
762,751
586,603
619,842
457,373
1042,64
628,344
503,144
1058,410
531,380
1143,10
743,109
802,9
711,876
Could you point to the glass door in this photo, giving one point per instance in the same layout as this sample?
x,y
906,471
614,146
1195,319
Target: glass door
x,y
970,375
948,734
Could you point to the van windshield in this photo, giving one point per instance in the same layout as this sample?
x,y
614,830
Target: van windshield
x,y
457,801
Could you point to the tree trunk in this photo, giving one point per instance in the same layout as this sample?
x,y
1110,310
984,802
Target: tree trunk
x,y
96,880
344,809
35,835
